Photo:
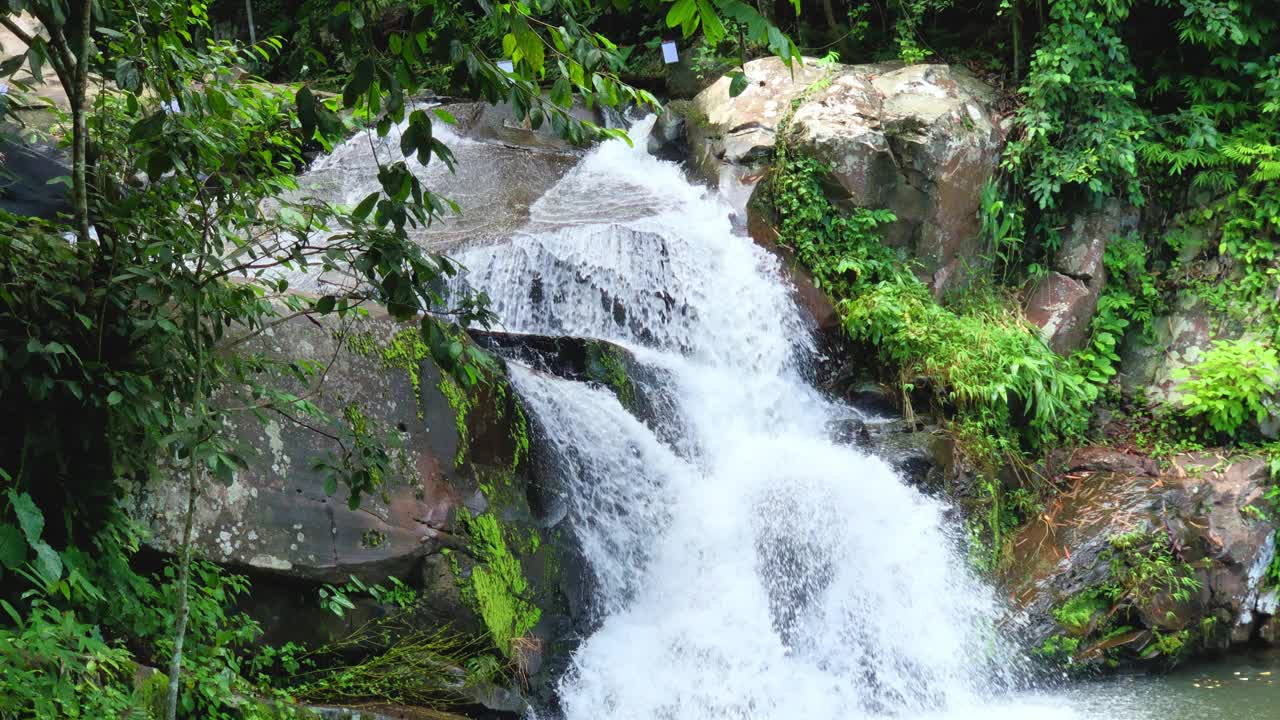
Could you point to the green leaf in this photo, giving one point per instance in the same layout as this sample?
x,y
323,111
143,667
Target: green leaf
x,y
147,127
358,84
445,115
737,83
530,45
681,12
13,549
712,28
365,207
306,103
562,93
330,485
29,516
48,563
114,398
127,76
325,305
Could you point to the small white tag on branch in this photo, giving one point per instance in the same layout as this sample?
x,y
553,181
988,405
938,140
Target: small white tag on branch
x,y
669,53
506,66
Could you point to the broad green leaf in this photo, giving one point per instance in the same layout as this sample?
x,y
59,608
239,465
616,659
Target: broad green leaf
x,y
358,84
29,516
737,83
712,28
366,206
48,563
127,76
13,549
681,12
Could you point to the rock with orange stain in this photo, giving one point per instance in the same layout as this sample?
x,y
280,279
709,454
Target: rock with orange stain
x,y
1208,513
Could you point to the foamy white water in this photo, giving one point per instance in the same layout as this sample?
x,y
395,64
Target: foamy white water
x,y
773,574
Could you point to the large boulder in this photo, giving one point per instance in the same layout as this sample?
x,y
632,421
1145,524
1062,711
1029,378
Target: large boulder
x,y
1063,302
500,170
455,497
1124,526
1062,307
276,515
919,140
28,173
498,123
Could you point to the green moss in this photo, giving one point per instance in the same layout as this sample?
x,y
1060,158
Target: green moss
x,y
1169,645
1059,647
1141,569
1077,613
152,694
404,351
462,404
519,436
497,586
606,366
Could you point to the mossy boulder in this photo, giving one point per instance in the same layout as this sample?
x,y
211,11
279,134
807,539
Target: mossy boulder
x,y
459,455
1134,564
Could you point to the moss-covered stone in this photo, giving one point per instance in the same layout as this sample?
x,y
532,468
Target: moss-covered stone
x,y
607,366
497,584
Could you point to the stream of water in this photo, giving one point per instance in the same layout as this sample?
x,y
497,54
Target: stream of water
x,y
746,565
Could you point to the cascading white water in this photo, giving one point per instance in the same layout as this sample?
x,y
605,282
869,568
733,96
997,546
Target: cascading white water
x,y
768,572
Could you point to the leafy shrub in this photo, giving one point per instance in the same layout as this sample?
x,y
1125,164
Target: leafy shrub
x,y
980,357
1130,298
53,664
1081,122
1235,380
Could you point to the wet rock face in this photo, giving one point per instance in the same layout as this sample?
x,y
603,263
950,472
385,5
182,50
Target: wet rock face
x,y
642,390
1062,307
29,188
1208,515
918,140
497,123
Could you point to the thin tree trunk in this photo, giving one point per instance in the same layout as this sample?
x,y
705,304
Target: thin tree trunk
x,y
253,32
79,98
184,608
1017,41
194,472
829,10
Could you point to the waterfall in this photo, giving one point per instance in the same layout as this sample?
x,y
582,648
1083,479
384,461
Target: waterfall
x,y
745,564
770,573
